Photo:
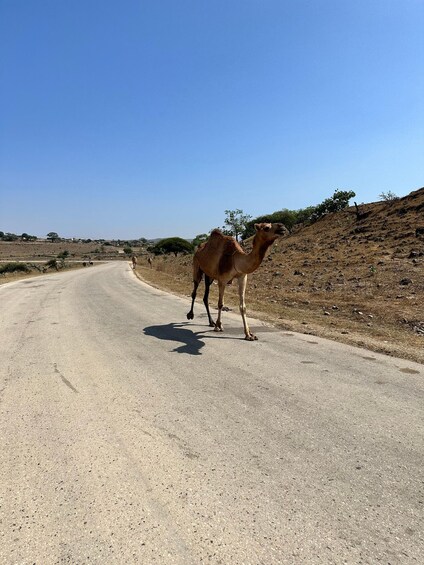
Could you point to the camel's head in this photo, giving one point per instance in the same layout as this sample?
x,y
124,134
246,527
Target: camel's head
x,y
270,232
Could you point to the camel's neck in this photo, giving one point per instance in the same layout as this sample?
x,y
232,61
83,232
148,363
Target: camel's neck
x,y
247,263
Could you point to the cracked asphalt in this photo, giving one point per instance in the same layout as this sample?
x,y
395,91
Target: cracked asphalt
x,y
129,435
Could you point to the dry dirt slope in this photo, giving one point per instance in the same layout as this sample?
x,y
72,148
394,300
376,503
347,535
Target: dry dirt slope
x,y
355,279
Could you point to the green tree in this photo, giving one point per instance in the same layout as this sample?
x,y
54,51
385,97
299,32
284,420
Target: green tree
x,y
199,239
53,236
10,237
337,202
172,245
128,251
286,217
235,222
27,237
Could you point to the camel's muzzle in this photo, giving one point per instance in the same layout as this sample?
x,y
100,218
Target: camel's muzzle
x,y
281,230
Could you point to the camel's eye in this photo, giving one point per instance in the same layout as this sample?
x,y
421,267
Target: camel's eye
x,y
267,227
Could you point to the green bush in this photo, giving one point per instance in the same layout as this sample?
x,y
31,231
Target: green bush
x,y
14,267
339,201
172,245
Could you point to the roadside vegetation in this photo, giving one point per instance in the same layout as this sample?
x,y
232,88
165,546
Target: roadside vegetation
x,y
14,268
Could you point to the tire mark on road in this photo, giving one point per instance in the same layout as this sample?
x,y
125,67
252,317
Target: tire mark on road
x,y
64,379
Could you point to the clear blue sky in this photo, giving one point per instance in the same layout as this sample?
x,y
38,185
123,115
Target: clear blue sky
x,y
149,118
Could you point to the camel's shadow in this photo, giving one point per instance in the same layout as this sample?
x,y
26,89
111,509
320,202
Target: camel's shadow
x,y
192,342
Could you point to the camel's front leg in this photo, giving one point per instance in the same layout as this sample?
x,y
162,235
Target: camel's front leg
x,y
218,324
242,290
208,282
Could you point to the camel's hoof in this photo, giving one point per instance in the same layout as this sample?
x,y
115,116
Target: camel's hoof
x,y
190,316
251,337
218,328
212,324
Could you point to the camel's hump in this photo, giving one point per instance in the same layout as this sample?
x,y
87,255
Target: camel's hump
x,y
225,243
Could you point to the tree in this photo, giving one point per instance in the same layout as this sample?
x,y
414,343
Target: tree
x,y
235,222
339,201
199,239
128,251
53,236
10,237
304,214
172,245
27,237
286,217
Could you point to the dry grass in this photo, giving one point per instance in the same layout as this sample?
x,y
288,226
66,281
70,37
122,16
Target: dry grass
x,y
356,281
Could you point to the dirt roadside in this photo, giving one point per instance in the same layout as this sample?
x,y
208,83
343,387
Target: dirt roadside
x,y
359,329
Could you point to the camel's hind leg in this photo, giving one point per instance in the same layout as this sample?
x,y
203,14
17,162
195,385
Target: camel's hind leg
x,y
197,277
208,282
242,289
218,325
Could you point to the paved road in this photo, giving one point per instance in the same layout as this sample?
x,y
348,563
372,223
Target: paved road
x,y
129,435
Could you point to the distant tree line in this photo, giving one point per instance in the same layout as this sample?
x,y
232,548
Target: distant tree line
x,y
55,237
236,223
242,226
13,237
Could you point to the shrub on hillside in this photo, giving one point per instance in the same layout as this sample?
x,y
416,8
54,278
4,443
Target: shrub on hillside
x,y
339,201
388,196
14,267
53,264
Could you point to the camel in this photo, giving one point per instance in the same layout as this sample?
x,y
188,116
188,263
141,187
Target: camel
x,y
222,258
134,261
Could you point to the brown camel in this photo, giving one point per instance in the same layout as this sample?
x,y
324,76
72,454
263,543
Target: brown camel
x,y
222,258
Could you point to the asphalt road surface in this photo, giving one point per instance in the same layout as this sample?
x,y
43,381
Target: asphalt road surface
x,y
130,435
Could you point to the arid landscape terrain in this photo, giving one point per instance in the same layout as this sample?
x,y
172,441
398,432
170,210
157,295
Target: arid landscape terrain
x,y
356,276
359,280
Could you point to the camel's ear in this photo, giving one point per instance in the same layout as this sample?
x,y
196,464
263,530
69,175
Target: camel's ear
x,y
257,227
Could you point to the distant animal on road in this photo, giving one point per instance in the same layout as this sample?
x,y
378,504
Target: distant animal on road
x,y
134,261
222,258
